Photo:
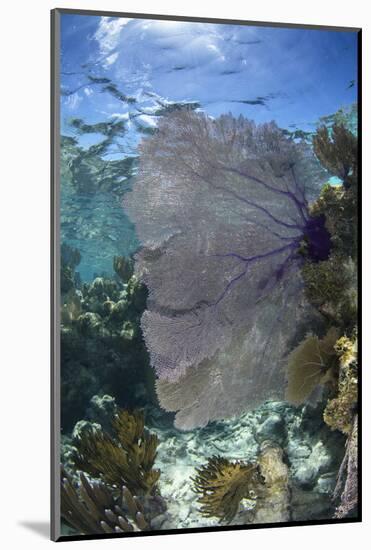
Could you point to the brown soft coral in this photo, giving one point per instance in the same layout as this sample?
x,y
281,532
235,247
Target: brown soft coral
x,y
337,152
124,458
222,485
91,507
311,363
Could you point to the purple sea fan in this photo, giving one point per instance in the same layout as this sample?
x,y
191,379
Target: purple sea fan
x,y
221,209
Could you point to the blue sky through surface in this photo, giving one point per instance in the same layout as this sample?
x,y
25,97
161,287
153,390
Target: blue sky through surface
x,y
292,76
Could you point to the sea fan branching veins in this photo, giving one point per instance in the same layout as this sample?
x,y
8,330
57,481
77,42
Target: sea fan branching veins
x,y
221,209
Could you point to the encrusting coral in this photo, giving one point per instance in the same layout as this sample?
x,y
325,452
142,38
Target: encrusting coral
x,y
339,412
92,507
313,362
222,485
124,458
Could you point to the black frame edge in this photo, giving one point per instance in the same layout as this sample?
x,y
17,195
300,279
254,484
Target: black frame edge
x,y
195,19
54,277
359,268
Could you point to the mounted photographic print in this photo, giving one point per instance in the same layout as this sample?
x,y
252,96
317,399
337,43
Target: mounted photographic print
x,y
205,200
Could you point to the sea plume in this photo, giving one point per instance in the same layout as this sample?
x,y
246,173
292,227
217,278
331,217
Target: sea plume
x,y
221,209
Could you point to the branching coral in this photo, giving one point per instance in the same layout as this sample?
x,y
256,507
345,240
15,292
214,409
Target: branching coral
x,y
222,485
126,458
92,507
312,363
339,412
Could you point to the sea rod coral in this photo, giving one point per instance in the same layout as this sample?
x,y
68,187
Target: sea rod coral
x,y
222,210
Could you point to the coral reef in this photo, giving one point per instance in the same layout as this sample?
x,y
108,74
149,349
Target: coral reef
x,y
312,363
92,507
331,285
102,349
287,461
222,485
340,410
312,451
332,288
124,458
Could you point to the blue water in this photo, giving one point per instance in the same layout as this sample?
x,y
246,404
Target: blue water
x,y
130,72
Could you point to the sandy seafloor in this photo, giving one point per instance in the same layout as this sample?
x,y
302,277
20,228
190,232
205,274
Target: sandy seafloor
x,y
313,453
311,450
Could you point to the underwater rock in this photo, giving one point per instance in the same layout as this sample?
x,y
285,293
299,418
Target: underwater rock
x,y
102,409
85,428
272,429
273,504
347,481
179,453
119,311
89,324
314,454
128,331
326,484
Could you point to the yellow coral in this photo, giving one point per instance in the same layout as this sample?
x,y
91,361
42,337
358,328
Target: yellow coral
x,y
340,410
